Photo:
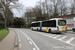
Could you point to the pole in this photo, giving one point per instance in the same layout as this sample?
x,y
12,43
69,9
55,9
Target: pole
x,y
7,19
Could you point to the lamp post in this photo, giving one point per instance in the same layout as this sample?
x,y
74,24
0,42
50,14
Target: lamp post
x,y
7,19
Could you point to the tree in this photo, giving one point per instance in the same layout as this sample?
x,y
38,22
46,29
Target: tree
x,y
72,7
4,8
56,3
11,18
51,9
47,9
1,21
19,22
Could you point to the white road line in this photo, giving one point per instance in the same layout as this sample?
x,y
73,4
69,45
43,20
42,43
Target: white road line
x,y
19,40
57,36
18,37
31,40
52,35
47,35
64,41
34,49
62,38
19,45
27,38
68,41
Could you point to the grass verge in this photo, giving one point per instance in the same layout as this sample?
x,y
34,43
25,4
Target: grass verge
x,y
69,30
3,33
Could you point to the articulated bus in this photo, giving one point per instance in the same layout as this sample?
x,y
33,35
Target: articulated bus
x,y
55,25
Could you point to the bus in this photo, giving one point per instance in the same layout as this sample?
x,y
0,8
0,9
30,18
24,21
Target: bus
x,y
55,25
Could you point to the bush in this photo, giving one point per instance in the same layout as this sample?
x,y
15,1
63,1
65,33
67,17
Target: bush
x,y
73,29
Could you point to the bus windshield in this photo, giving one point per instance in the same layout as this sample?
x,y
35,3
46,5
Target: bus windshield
x,y
61,22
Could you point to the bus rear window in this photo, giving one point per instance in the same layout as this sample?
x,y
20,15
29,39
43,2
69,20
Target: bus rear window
x,y
61,22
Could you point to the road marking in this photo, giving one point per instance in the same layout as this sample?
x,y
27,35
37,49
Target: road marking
x,y
18,37
56,36
31,40
47,35
34,49
27,38
19,40
52,35
62,38
19,45
68,41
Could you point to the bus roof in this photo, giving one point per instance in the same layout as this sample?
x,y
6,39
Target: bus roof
x,y
56,18
48,20
36,21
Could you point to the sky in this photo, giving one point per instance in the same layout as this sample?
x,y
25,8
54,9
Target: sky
x,y
28,3
25,3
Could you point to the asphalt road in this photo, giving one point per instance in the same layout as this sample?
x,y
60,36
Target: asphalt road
x,y
35,40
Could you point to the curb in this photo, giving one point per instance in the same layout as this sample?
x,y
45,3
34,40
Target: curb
x,y
16,44
71,32
16,41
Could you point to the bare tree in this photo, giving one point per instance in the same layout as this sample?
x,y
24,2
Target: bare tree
x,y
62,8
43,9
47,9
56,3
72,6
4,8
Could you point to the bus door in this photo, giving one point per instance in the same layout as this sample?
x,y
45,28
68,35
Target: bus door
x,y
61,25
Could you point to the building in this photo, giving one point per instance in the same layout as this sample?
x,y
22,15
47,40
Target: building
x,y
70,20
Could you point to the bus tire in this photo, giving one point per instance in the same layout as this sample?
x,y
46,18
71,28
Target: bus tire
x,y
49,30
32,28
37,29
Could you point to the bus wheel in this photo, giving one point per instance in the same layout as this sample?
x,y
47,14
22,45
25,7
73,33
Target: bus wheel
x,y
49,30
32,28
37,29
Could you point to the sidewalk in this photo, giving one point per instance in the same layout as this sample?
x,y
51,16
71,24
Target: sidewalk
x,y
8,42
71,32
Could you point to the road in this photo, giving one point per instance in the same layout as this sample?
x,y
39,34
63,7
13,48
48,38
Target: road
x,y
35,40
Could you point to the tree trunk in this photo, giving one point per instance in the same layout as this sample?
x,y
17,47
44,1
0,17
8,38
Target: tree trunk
x,y
5,22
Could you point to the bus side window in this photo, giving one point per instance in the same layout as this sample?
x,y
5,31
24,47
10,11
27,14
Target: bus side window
x,y
44,24
48,23
53,23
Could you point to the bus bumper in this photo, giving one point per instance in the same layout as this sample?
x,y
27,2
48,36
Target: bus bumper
x,y
59,31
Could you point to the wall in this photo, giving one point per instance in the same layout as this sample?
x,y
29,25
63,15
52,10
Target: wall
x,y
70,22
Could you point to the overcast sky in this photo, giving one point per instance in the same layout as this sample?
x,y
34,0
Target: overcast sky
x,y
26,3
